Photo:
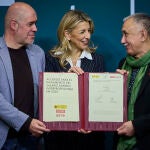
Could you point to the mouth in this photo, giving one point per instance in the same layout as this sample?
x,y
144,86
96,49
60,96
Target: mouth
x,y
85,42
125,44
32,35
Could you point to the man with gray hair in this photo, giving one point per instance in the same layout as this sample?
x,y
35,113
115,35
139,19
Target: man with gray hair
x,y
135,133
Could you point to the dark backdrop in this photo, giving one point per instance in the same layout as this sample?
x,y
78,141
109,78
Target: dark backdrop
x,y
107,16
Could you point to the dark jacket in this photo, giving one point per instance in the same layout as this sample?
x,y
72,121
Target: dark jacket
x,y
141,120
95,65
72,139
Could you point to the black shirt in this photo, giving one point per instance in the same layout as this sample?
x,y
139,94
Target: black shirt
x,y
23,86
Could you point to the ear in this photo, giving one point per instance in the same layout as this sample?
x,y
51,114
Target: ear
x,y
14,25
144,35
67,35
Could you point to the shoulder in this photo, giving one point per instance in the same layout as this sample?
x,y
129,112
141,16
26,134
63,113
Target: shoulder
x,y
49,57
98,62
2,42
52,63
35,49
97,56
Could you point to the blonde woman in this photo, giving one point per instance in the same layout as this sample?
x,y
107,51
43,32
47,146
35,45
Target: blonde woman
x,y
74,53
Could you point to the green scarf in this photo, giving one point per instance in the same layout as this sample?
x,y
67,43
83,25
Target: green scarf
x,y
125,142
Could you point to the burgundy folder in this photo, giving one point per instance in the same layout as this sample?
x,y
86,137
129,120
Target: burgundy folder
x,y
83,93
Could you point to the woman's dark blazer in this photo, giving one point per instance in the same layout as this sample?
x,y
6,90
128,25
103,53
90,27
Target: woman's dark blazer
x,y
141,120
95,65
74,140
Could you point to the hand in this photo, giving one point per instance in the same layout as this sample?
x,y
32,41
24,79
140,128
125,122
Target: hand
x,y
126,129
84,131
121,71
37,128
76,70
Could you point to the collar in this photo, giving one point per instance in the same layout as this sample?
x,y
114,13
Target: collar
x,y
86,54
83,54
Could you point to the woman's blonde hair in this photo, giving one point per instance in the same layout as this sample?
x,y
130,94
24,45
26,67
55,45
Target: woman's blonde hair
x,y
69,21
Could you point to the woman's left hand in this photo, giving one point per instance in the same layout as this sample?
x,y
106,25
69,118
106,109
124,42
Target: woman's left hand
x,y
84,131
76,70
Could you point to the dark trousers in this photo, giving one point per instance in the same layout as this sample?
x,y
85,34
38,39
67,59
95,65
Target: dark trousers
x,y
66,140
27,142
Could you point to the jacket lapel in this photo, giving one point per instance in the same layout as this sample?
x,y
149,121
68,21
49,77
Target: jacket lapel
x,y
87,65
4,54
33,65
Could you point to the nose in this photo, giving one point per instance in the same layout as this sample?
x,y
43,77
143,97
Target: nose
x,y
123,39
34,28
87,35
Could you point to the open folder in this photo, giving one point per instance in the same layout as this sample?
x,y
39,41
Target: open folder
x,y
91,101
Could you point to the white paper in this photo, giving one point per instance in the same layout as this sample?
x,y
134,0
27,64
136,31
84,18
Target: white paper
x,y
60,97
105,97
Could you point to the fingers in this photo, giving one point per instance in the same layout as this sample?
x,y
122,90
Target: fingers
x,y
126,129
37,127
121,130
76,70
121,71
84,131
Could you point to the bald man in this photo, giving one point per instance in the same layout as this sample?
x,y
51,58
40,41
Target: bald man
x,y
20,64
